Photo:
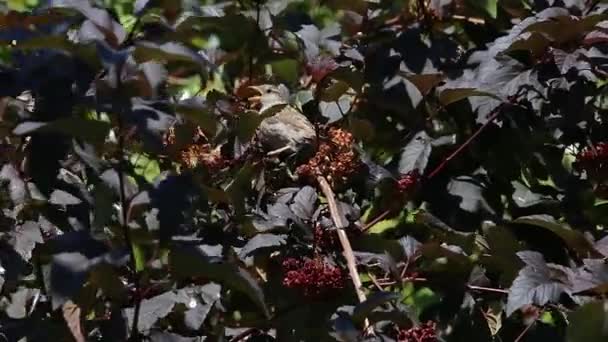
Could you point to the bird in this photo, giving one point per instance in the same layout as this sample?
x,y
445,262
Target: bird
x,y
287,130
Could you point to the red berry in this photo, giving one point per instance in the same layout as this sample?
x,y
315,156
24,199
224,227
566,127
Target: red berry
x,y
325,239
425,332
315,278
594,161
408,181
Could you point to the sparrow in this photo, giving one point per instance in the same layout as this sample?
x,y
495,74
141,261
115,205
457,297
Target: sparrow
x,y
287,130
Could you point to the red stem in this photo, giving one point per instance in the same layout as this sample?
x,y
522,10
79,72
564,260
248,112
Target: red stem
x,y
465,144
375,220
521,335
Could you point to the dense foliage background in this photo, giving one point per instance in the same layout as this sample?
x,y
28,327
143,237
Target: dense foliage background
x,y
359,170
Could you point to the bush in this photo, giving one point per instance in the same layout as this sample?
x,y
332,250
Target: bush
x,y
304,170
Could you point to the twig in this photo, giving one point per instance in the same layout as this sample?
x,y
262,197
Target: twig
x,y
125,217
375,281
464,145
377,219
521,335
487,289
419,279
472,20
243,335
340,225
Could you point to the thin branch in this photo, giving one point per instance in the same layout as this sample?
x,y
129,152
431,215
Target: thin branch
x,y
375,281
523,333
377,219
472,20
122,166
487,289
423,280
464,145
340,224
243,335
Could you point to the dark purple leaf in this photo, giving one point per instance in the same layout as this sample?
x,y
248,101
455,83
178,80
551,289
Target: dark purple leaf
x,y
362,310
63,198
188,261
410,246
415,154
537,283
25,237
114,33
68,273
303,204
153,309
261,241
170,52
16,186
572,238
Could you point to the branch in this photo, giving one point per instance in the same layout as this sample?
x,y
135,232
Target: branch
x,y
464,145
373,222
340,224
487,289
125,217
523,333
243,335
472,20
469,287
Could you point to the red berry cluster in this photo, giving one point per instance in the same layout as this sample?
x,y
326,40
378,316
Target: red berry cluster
x,y
325,239
335,159
407,182
315,278
594,161
205,155
422,333
197,152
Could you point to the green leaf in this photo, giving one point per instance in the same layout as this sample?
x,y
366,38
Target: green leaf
x,y
490,7
589,323
286,69
22,5
418,299
385,225
140,257
145,167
